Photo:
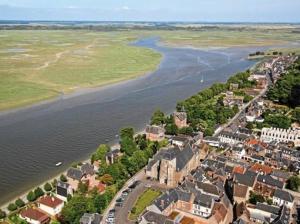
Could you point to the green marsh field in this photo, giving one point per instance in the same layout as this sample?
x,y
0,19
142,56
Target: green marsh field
x,y
37,65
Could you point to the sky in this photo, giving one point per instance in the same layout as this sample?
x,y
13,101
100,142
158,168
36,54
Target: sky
x,y
152,10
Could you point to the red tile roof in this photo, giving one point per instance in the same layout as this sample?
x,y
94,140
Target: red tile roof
x,y
261,168
238,169
34,214
50,201
101,187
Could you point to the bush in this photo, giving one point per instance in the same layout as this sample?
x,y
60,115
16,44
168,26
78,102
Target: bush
x,y
31,196
293,183
47,187
63,178
254,198
2,214
38,192
20,203
12,207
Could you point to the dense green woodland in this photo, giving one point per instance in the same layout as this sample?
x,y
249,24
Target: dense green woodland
x,y
136,152
287,89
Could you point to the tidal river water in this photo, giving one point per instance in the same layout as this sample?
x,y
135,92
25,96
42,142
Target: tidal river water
x,y
34,139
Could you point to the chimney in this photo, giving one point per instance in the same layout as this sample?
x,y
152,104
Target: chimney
x,y
52,199
162,203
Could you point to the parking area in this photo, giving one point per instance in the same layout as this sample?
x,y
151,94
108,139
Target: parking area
x,y
119,214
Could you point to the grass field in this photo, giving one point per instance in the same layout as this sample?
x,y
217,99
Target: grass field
x,y
142,202
230,37
38,65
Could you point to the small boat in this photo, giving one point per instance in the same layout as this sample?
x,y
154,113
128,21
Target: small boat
x,y
58,164
202,80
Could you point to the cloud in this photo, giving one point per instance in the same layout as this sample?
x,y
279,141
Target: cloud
x,y
126,8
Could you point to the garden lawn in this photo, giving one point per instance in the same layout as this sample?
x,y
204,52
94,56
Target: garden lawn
x,y
142,202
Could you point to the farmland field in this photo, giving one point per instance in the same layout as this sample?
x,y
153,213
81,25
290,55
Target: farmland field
x,y
38,65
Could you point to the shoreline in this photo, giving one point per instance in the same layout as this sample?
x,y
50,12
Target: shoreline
x,y
71,96
23,195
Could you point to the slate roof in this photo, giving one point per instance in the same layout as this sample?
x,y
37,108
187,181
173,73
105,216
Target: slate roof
x,y
183,156
180,115
268,180
231,135
204,200
87,168
63,184
248,178
154,129
170,197
268,208
208,188
90,218
280,174
75,174
152,217
284,217
199,174
283,195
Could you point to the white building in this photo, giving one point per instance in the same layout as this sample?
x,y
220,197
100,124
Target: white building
x,y
282,197
203,205
280,135
51,205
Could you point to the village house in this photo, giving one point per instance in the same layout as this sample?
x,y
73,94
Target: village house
x,y
198,203
63,190
266,185
180,119
152,217
155,133
282,197
263,213
172,164
230,100
34,216
74,176
112,156
88,218
232,138
51,205
281,135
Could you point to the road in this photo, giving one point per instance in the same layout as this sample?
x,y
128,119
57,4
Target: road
x,y
137,177
241,111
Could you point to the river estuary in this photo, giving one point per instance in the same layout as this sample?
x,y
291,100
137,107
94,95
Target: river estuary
x,y
69,129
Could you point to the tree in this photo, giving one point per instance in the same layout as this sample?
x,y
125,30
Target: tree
x,y
293,183
2,214
47,187
278,121
12,207
186,131
249,125
254,198
76,207
63,178
107,179
158,118
296,114
38,192
20,203
54,183
31,196
83,187
100,153
171,129
128,144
